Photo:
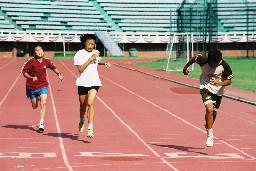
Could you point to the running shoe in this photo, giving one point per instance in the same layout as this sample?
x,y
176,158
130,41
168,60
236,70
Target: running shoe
x,y
209,141
81,126
40,128
90,133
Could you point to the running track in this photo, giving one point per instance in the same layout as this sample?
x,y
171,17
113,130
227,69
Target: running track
x,y
141,123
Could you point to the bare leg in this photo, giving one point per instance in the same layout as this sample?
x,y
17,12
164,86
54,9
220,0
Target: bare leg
x,y
209,116
83,103
43,98
34,103
90,113
214,116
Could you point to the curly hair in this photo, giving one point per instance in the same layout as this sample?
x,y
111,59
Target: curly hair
x,y
85,37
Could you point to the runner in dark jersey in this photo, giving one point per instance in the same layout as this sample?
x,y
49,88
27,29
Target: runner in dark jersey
x,y
36,84
216,74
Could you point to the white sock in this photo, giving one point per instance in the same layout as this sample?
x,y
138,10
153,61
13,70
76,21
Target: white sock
x,y
82,119
41,122
210,132
90,126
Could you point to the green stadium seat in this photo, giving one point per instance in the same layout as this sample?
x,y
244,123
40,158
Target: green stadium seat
x,y
116,15
142,1
45,27
77,16
82,20
140,14
51,11
26,18
95,28
6,26
127,21
25,14
43,15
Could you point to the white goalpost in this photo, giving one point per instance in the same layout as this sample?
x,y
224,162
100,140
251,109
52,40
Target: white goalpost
x,y
178,52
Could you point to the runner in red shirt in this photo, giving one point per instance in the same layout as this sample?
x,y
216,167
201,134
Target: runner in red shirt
x,y
37,85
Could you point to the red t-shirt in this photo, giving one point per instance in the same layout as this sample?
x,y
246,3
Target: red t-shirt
x,y
36,69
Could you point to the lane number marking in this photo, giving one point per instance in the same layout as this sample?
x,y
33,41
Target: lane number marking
x,y
218,156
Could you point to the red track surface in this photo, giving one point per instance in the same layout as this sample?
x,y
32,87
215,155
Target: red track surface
x,y
142,123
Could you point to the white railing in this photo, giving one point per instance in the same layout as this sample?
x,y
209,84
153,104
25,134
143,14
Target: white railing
x,y
119,37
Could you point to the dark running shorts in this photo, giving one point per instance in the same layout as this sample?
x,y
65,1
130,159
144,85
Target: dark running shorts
x,y
84,90
208,97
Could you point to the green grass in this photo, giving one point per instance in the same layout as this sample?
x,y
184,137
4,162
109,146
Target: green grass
x,y
244,70
61,55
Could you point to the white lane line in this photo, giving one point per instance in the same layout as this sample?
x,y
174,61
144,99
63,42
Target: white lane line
x,y
63,152
246,154
153,151
7,64
16,138
184,84
9,90
201,104
236,117
67,68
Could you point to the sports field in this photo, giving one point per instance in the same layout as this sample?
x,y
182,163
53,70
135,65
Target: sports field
x,y
142,123
243,69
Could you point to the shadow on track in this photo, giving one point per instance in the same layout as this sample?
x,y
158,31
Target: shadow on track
x,y
62,135
183,148
66,135
20,127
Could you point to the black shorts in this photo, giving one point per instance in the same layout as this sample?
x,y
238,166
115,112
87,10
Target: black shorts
x,y
84,90
207,97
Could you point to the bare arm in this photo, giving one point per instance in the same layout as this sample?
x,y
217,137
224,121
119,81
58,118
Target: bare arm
x,y
29,76
190,62
107,64
224,83
59,74
81,68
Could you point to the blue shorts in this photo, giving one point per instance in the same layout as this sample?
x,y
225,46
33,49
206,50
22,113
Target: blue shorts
x,y
35,93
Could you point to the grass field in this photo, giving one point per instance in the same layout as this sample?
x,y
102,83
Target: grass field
x,y
244,70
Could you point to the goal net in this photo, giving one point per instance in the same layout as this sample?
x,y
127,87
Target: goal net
x,y
178,52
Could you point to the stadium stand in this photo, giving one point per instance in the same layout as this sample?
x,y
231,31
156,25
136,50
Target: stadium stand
x,y
129,22
54,15
233,15
90,15
115,15
4,24
141,15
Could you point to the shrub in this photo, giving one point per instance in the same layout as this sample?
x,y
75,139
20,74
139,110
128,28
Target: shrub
x,y
133,49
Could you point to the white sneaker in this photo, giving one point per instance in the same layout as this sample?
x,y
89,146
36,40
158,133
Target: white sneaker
x,y
209,141
90,133
40,128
